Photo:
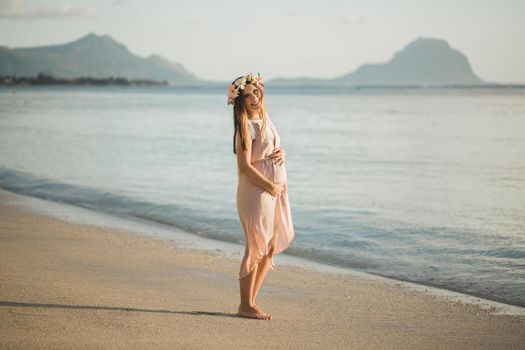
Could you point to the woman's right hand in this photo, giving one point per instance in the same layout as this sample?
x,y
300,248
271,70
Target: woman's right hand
x,y
276,189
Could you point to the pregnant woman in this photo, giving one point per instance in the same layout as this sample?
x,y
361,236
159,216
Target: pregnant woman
x,y
262,197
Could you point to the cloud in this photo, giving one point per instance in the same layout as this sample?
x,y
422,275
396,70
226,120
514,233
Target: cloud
x,y
20,9
193,22
345,18
294,13
118,3
352,17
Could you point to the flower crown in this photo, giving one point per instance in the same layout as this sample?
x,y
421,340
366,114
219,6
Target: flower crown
x,y
240,84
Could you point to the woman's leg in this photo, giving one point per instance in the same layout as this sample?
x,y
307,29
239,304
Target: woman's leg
x,y
246,287
246,308
262,269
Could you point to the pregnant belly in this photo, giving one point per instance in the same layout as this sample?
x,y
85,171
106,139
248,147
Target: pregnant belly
x,y
271,171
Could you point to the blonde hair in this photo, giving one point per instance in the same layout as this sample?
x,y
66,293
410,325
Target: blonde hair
x,y
240,120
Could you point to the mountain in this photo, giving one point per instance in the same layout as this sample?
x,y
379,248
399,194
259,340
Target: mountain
x,y
424,61
91,56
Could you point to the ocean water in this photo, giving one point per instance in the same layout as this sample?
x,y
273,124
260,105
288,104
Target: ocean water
x,y
422,185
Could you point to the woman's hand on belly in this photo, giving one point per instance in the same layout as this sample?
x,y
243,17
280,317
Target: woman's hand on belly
x,y
277,156
277,189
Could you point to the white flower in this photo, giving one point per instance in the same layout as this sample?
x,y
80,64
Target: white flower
x,y
240,84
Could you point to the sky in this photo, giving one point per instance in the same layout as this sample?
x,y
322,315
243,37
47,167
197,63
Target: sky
x,y
223,39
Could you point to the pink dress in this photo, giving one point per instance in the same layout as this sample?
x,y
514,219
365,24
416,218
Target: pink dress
x,y
261,214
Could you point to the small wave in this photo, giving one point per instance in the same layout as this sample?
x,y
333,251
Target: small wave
x,y
369,252
185,218
506,252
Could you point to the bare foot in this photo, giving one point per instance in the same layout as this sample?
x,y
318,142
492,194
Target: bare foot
x,y
259,310
252,312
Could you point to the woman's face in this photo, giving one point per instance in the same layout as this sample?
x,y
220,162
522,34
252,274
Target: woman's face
x,y
252,98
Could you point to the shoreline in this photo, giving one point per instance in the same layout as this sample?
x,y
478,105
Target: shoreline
x,y
85,285
180,238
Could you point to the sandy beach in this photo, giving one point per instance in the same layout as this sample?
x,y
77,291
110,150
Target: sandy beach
x,y
76,286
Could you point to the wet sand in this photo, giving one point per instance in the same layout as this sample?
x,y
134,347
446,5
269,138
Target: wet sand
x,y
66,285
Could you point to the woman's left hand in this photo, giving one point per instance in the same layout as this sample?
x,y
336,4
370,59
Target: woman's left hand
x,y
278,156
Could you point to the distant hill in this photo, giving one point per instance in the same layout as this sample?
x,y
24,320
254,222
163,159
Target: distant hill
x,y
91,56
424,61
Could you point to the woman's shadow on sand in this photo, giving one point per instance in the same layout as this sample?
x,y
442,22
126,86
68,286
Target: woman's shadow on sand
x,y
114,308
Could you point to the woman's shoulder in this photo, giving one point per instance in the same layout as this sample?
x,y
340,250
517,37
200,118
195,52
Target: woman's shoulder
x,y
253,128
260,119
270,122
